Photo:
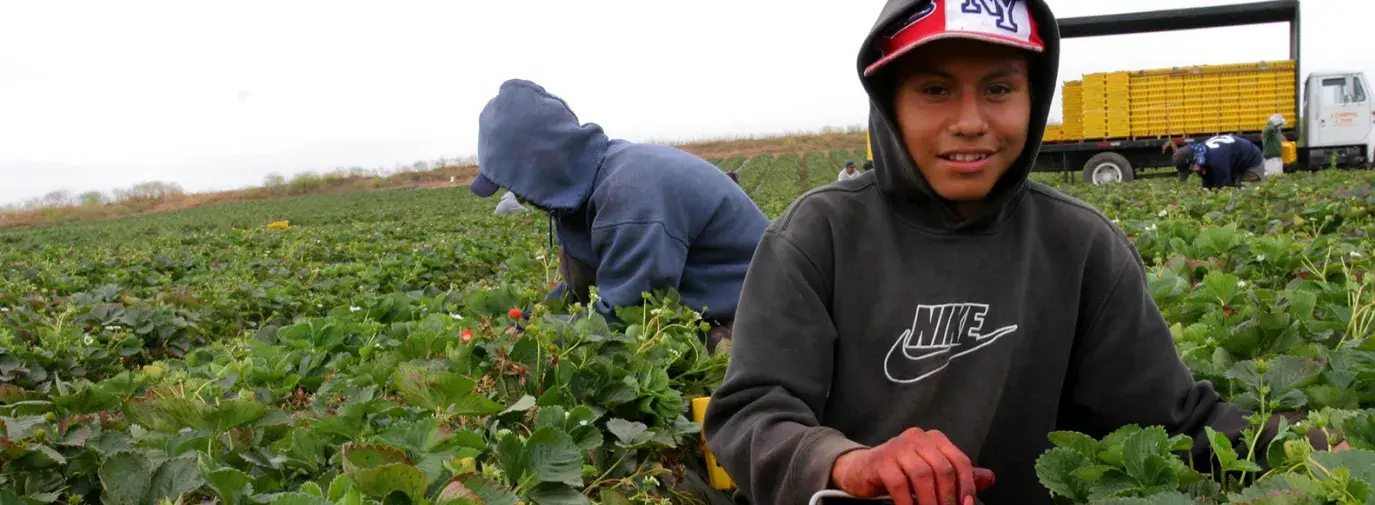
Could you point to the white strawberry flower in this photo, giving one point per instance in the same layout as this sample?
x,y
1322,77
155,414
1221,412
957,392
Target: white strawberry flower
x,y
354,308
1241,284
88,339
1260,257
1163,212
456,316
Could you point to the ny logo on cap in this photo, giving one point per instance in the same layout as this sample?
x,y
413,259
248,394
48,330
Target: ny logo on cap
x,y
998,9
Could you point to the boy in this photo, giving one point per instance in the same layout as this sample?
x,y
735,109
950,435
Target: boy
x,y
897,331
630,217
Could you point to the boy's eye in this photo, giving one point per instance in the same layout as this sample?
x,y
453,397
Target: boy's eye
x,y
999,89
935,90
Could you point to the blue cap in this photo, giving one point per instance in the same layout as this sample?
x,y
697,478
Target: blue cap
x,y
483,187
849,163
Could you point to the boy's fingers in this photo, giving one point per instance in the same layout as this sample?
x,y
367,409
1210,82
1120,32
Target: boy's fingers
x,y
922,478
944,484
963,468
895,482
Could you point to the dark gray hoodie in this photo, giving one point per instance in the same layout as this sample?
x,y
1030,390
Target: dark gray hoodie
x,y
870,307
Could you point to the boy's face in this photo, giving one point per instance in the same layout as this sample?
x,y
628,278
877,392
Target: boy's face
x,y
963,108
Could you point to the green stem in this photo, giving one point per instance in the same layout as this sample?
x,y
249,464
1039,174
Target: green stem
x,y
596,482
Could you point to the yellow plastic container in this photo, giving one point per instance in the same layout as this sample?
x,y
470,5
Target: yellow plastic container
x,y
1289,152
717,476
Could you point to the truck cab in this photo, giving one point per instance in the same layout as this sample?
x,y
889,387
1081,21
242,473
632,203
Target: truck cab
x,y
1337,120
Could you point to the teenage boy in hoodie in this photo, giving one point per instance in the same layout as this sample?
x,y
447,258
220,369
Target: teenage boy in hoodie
x,y
898,330
630,217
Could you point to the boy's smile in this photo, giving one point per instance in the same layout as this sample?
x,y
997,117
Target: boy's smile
x,y
963,108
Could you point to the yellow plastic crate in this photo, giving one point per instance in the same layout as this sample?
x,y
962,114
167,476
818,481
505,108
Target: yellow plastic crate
x,y
717,476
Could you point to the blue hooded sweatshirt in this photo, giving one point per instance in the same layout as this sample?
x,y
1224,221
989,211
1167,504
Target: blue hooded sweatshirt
x,y
645,216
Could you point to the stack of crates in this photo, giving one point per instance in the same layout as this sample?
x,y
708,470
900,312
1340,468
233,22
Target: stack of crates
x,y
1119,104
1054,133
1095,107
1107,105
1072,109
1211,99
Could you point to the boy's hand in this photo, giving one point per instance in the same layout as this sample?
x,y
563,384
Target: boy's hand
x,y
921,463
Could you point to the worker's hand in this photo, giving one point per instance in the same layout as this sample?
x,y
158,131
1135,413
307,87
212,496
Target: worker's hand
x,y
920,463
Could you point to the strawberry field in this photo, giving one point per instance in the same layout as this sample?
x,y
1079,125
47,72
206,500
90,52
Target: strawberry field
x,y
369,353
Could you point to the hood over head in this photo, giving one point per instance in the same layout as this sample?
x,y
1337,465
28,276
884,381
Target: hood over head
x,y
531,143
896,174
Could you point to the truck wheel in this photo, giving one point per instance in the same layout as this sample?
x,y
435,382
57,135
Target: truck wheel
x,y
1108,168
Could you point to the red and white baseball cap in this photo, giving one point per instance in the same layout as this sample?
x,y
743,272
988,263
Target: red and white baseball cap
x,y
1006,22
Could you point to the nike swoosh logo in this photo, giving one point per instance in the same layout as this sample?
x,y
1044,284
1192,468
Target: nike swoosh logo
x,y
928,352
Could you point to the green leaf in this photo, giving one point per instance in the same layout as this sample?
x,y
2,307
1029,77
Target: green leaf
x,y
550,417
1137,450
1302,304
455,493
1079,442
1288,372
299,499
1360,462
383,480
1359,431
1055,469
473,404
379,470
512,457
630,434
1226,455
1221,288
235,413
557,494
525,403
489,491
1245,371
553,456
312,489
230,485
125,476
1093,473
175,477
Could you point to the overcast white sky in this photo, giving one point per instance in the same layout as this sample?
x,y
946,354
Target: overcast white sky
x,y
100,94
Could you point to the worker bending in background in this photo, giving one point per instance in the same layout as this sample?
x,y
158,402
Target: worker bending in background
x,y
509,204
630,217
848,172
1224,160
1272,145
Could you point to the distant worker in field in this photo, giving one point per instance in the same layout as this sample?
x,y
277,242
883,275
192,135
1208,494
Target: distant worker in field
x,y
734,176
1272,145
1224,160
848,172
509,204
630,217
868,165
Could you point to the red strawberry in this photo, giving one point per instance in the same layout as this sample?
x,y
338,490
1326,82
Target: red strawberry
x,y
515,314
467,335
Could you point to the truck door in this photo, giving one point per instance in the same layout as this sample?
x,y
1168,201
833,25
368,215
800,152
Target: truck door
x,y
1339,112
